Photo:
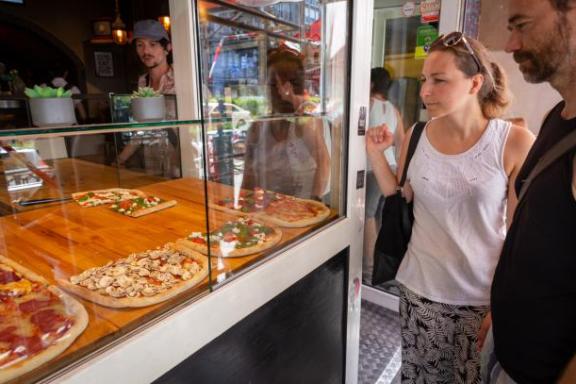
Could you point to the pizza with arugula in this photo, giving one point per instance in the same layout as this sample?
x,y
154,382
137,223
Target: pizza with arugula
x,y
141,206
105,196
240,237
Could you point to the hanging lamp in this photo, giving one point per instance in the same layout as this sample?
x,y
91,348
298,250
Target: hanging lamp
x,y
119,33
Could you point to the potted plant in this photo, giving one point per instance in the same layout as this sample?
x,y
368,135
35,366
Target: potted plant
x,y
148,105
51,106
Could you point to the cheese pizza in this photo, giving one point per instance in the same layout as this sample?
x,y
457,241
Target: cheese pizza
x,y
141,279
277,208
37,320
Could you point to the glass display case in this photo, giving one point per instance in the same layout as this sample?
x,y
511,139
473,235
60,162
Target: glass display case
x,y
109,228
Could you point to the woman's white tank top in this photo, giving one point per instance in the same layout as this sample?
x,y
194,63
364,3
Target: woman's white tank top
x,y
460,219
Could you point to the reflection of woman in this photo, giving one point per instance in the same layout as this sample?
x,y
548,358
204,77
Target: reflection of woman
x,y
382,111
287,155
461,177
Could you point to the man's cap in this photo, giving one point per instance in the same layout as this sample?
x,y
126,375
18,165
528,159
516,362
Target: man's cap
x,y
149,29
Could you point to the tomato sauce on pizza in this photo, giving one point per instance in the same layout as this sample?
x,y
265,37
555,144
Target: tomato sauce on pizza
x,y
37,321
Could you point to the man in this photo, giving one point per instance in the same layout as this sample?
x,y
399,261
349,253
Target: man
x,y
153,48
534,288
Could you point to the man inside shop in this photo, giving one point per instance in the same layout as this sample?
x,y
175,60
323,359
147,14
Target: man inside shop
x,y
154,50
153,47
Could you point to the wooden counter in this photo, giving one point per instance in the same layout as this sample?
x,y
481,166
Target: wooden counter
x,y
64,239
74,175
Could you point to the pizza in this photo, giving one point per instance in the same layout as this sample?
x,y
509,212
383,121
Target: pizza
x,y
293,212
105,196
240,237
141,206
253,201
37,320
141,279
277,208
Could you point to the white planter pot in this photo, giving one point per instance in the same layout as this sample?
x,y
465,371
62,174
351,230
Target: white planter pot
x,y
148,108
52,111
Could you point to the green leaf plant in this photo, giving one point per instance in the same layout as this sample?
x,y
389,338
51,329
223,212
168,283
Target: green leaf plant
x,y
39,92
145,92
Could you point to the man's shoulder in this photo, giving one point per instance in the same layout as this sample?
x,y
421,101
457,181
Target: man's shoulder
x,y
552,117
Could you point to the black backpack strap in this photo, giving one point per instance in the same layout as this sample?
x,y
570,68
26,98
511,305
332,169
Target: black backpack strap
x,y
567,143
416,133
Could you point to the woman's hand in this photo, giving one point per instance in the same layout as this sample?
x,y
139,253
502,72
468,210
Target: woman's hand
x,y
484,328
378,139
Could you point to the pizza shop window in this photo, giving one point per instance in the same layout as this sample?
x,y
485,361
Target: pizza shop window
x,y
115,216
283,160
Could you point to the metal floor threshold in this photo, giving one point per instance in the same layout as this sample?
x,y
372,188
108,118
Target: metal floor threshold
x,y
380,357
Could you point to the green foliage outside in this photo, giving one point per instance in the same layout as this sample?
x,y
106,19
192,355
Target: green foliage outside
x,y
257,105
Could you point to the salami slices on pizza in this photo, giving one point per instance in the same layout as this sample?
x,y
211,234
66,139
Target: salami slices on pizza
x,y
37,320
280,209
240,237
141,279
105,196
141,206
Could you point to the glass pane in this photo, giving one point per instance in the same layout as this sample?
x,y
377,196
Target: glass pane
x,y
50,45
274,101
101,240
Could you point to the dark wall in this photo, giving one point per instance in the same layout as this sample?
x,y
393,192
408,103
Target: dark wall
x,y
298,337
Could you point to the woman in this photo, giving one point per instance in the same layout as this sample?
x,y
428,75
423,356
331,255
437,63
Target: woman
x,y
382,111
288,155
461,179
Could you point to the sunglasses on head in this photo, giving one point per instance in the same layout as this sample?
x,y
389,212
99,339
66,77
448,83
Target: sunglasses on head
x,y
452,40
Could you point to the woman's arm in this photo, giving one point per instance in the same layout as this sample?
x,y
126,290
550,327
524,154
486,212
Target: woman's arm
x,y
249,174
313,134
518,145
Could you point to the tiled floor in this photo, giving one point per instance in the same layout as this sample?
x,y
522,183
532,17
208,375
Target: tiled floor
x,y
379,345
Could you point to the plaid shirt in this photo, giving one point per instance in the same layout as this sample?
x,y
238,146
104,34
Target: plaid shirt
x,y
167,85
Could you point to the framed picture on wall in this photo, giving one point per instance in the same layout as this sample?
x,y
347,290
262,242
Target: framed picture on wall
x,y
104,64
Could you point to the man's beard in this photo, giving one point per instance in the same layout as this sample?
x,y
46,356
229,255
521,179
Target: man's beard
x,y
541,65
545,61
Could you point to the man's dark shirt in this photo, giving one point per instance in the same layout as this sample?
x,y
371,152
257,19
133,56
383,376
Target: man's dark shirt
x,y
534,288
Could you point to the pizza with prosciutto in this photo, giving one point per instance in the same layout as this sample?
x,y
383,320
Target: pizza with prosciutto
x,y
277,208
37,320
105,196
240,237
141,279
